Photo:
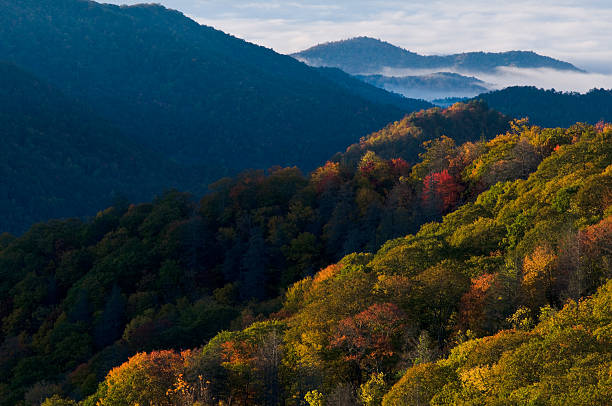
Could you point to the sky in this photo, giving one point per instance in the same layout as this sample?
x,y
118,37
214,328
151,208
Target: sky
x,y
575,31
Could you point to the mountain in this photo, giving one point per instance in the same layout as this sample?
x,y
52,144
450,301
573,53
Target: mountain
x,y
59,159
191,93
551,108
373,92
365,55
79,286
103,311
504,301
429,87
152,100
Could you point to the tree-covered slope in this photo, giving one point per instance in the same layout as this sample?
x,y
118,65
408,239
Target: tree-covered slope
x,y
522,249
173,273
522,245
461,122
564,360
82,297
191,92
58,159
365,55
552,108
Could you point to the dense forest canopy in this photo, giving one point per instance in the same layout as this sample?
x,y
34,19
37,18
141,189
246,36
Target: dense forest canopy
x,y
564,359
59,159
248,239
550,107
331,286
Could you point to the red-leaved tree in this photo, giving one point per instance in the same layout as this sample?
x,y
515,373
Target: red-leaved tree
x,y
371,338
441,191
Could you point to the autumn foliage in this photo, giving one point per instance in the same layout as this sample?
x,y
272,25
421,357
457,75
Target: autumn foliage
x,y
292,287
372,337
144,379
441,190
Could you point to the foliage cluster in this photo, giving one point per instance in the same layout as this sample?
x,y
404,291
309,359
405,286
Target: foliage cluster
x,y
564,360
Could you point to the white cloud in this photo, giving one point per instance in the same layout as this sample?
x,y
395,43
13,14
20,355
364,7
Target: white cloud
x,y
548,79
567,81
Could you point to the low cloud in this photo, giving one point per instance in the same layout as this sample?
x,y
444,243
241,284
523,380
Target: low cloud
x,y
548,79
545,78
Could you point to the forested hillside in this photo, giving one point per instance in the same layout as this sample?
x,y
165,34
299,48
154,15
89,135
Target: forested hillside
x,y
526,227
384,252
550,107
565,359
371,328
248,239
431,86
59,159
190,92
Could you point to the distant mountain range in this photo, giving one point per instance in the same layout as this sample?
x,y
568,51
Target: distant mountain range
x,y
373,90
365,56
102,100
429,87
419,76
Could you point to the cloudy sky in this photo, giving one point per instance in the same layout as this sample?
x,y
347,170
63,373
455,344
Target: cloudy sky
x,y
575,31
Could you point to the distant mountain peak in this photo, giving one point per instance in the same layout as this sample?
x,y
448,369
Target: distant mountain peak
x,y
355,40
365,55
363,40
368,50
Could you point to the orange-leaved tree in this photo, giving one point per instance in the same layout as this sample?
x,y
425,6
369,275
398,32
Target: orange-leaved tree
x,y
146,378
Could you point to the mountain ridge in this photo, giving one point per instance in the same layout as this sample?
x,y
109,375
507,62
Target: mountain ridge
x,y
365,55
430,86
178,87
200,103
551,108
